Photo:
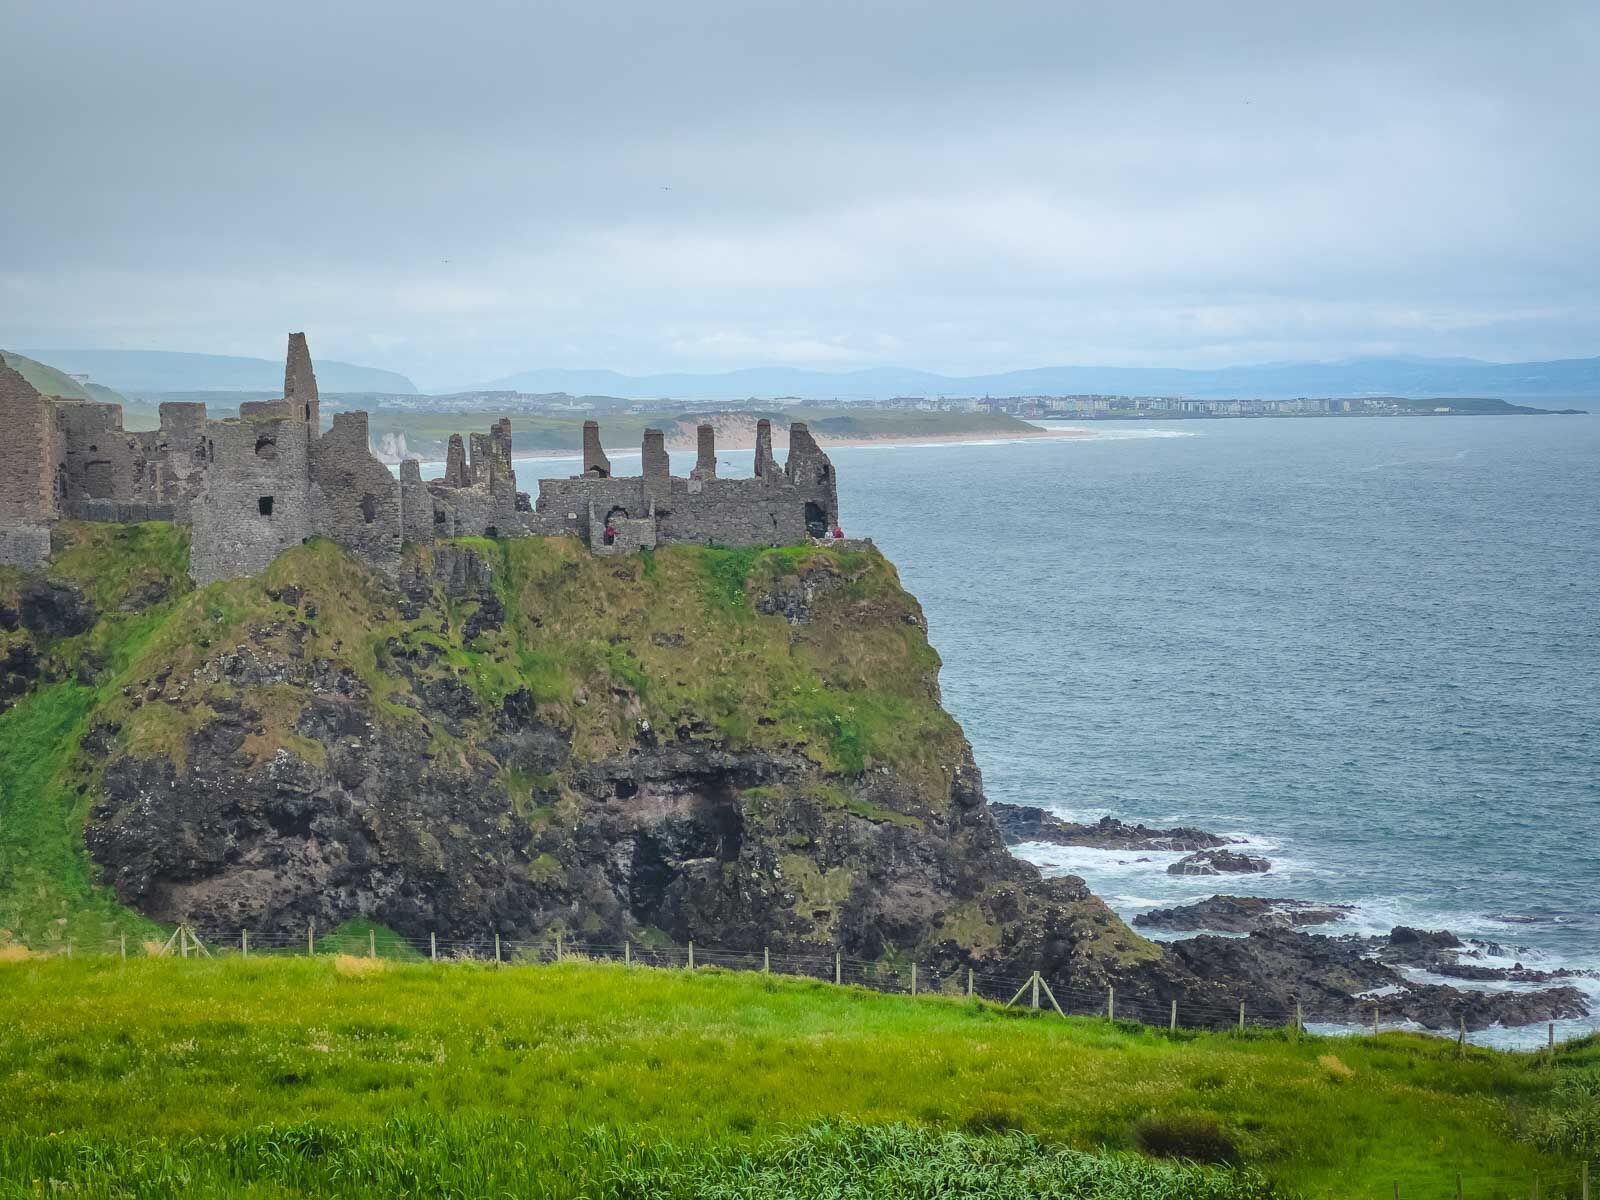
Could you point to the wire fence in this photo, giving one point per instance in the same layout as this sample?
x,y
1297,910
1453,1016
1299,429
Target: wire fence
x,y
1031,992
893,976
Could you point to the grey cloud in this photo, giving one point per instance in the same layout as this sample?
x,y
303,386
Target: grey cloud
x,y
951,186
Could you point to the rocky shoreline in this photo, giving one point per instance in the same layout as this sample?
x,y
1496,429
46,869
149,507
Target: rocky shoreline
x,y
1277,969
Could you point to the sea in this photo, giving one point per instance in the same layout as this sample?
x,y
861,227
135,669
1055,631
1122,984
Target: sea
x,y
1368,646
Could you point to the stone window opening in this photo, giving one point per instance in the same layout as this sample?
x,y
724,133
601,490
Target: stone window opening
x,y
264,506
308,412
266,448
816,520
490,531
369,508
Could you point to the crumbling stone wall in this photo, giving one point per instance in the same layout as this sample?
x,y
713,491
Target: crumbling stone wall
x,y
105,473
29,449
781,506
254,486
355,498
300,385
257,497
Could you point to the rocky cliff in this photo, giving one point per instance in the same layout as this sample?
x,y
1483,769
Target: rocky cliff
x,y
739,747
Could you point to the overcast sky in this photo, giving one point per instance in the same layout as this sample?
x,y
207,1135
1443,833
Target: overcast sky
x,y
462,190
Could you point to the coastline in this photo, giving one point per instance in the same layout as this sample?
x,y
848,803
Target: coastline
x,y
780,445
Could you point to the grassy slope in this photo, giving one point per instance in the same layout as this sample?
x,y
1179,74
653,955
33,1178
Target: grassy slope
x,y
47,892
108,1054
46,379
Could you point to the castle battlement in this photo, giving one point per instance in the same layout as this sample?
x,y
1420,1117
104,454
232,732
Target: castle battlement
x,y
254,485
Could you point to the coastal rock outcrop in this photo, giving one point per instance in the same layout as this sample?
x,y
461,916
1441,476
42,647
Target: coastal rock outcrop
x,y
1219,862
1019,823
1242,914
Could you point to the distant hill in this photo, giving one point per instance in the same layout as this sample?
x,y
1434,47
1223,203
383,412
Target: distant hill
x,y
46,379
175,371
1352,377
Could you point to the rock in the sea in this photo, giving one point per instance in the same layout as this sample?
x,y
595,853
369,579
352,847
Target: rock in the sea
x,y
1219,862
1242,914
1023,823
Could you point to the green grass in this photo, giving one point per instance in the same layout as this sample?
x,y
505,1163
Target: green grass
x,y
45,379
295,1076
48,894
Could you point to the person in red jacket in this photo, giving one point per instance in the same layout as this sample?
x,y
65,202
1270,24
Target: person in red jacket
x,y
838,534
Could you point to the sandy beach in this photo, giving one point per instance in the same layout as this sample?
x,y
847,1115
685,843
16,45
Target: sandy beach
x,y
780,444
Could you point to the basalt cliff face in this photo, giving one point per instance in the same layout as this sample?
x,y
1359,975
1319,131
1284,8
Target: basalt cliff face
x,y
744,748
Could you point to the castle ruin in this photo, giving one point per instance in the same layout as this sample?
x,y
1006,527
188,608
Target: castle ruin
x,y
254,485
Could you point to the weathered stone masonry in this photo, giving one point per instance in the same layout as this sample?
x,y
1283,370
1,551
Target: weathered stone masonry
x,y
254,485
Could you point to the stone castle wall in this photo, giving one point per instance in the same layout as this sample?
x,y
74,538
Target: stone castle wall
x,y
258,484
28,453
257,498
355,498
779,506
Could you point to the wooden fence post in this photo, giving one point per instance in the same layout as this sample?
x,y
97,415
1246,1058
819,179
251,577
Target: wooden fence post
x,y
1396,1189
838,974
1241,1016
627,952
1111,1003
433,947
914,982
1458,1185
311,937
558,950
1299,1017
497,946
1583,1181
1551,1043
691,954
1461,1038
183,941
1172,1021
122,940
766,960
244,943
1036,991
969,983
1374,1020
372,943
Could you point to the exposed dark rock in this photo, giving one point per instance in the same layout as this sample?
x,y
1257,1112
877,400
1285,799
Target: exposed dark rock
x,y
1272,969
1219,862
793,596
1242,914
1022,823
49,609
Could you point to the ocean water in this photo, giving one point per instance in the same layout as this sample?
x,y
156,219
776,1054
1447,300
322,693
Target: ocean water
x,y
1370,646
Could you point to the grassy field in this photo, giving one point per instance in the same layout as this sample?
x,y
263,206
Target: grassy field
x,y
351,1076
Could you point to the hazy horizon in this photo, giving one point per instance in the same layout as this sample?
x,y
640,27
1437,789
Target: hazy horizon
x,y
719,186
